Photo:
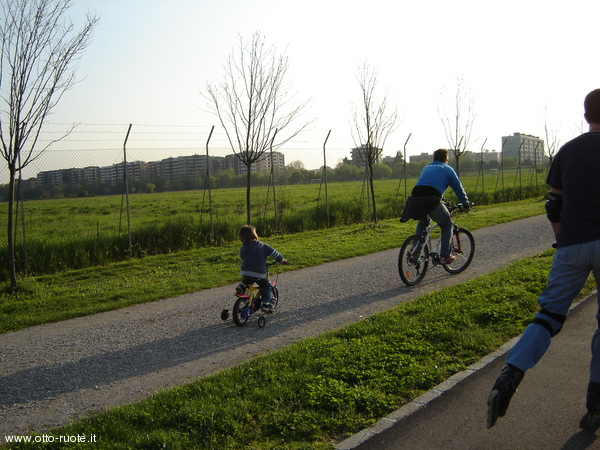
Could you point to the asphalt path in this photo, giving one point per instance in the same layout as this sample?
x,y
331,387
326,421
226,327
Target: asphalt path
x,y
53,374
543,414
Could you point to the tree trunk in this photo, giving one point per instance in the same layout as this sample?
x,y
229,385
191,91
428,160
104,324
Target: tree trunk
x,y
10,229
248,195
372,187
457,156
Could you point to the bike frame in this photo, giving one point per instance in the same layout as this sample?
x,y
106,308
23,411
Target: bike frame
x,y
434,253
252,294
249,302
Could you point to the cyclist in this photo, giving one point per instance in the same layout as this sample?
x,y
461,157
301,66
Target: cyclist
x,y
254,254
425,200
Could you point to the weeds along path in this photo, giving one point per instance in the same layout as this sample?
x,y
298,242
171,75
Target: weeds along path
x,y
53,374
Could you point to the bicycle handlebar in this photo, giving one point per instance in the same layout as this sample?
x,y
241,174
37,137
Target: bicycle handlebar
x,y
459,206
269,264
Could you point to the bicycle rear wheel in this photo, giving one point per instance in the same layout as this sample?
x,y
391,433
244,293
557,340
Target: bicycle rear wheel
x,y
413,260
463,248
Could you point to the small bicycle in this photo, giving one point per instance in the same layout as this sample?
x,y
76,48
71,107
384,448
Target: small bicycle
x,y
249,302
417,252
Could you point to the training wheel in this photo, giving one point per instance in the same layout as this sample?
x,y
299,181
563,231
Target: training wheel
x,y
225,314
262,322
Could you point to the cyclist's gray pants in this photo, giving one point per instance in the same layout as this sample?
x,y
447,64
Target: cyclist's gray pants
x,y
441,216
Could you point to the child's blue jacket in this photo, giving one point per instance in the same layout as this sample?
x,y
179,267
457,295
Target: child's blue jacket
x,y
254,256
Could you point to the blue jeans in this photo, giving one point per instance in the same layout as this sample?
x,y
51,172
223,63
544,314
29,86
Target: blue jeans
x,y
265,287
441,216
570,269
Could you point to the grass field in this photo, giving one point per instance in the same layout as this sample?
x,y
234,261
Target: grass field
x,y
99,216
64,234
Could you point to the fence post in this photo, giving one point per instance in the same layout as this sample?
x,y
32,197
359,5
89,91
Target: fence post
x,y
481,171
325,180
403,175
273,181
207,185
127,191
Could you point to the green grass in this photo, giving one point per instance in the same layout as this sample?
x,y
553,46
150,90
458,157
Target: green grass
x,y
51,298
320,390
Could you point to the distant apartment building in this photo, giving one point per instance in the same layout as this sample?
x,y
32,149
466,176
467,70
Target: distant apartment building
x,y
171,169
67,176
108,174
274,159
178,168
92,174
263,164
50,178
422,157
233,162
359,155
485,156
524,146
114,173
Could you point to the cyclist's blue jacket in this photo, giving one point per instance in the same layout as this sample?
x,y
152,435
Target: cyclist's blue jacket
x,y
440,176
254,256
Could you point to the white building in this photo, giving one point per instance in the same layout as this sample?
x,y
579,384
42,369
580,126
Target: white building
x,y
526,147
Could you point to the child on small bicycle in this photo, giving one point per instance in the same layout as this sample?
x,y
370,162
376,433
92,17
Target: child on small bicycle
x,y
254,254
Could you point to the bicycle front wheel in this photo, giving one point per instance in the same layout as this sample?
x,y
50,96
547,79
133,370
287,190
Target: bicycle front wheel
x,y
413,260
463,248
240,311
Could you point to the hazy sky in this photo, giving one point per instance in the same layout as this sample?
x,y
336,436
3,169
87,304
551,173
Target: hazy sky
x,y
150,61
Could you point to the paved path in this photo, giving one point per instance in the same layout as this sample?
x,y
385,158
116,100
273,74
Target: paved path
x,y
544,412
53,374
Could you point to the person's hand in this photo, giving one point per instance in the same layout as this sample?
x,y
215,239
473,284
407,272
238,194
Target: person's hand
x,y
285,262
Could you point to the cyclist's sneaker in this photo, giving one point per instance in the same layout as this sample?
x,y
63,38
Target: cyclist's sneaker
x,y
502,391
447,259
266,307
591,419
240,288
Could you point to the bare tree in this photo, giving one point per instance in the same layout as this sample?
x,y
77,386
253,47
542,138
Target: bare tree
x,y
552,141
39,51
458,116
254,104
374,121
